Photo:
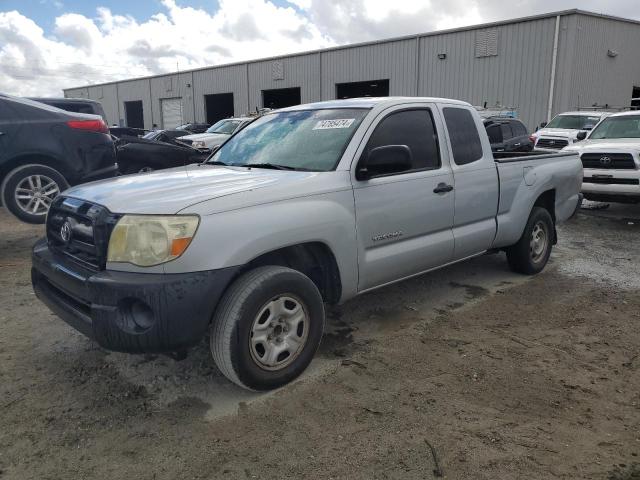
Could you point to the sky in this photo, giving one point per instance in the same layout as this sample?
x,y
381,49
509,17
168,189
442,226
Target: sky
x,y
48,45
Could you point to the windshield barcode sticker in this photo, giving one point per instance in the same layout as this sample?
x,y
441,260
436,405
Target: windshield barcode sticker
x,y
337,123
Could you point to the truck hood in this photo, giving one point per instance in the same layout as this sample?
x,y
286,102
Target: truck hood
x,y
557,133
610,145
172,190
208,138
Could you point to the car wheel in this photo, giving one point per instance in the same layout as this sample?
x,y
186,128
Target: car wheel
x,y
28,191
531,254
267,328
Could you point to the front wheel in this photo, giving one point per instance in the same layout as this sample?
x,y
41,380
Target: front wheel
x,y
531,254
267,328
28,191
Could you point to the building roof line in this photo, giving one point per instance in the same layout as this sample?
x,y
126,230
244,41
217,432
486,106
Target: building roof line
x,y
480,26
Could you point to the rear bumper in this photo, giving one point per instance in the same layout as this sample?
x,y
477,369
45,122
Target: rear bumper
x,y
129,312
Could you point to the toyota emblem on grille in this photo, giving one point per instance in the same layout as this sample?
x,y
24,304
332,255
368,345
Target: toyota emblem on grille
x,y
605,160
65,232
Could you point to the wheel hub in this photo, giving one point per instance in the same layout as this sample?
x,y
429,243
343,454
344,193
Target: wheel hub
x,y
538,243
279,332
35,193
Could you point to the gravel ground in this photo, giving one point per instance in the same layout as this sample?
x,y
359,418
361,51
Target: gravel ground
x,y
471,372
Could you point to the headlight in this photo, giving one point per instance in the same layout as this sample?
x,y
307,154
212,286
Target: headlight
x,y
198,144
148,240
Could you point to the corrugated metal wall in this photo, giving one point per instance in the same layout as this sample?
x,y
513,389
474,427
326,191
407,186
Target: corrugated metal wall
x,y
518,76
136,90
178,85
231,79
592,76
296,71
394,60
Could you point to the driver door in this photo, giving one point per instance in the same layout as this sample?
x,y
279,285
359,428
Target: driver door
x,y
404,219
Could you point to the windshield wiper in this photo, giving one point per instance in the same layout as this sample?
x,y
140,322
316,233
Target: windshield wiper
x,y
273,166
215,163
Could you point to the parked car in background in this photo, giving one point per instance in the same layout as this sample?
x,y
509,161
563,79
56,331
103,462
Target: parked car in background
x,y
44,150
76,105
307,205
156,150
121,132
507,135
194,127
217,134
563,130
611,159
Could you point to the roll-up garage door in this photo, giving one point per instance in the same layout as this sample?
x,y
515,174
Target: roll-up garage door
x,y
171,112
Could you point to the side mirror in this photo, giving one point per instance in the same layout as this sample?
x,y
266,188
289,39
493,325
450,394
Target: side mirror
x,y
385,160
581,136
543,124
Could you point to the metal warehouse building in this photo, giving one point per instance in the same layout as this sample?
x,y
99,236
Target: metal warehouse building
x,y
538,65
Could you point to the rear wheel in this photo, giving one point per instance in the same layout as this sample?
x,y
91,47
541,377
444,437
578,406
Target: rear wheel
x,y
28,191
267,328
531,254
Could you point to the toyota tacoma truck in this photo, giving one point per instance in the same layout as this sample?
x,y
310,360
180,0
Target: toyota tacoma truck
x,y
563,130
308,205
611,159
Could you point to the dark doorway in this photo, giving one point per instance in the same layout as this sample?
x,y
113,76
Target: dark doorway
x,y
635,98
370,88
133,114
218,106
281,97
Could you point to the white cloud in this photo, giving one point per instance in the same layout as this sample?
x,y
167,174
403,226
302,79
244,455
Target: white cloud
x,y
83,50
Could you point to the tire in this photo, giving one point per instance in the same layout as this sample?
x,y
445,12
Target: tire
x,y
531,254
27,191
280,307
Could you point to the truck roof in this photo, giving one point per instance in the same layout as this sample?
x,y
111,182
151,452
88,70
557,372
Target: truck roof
x,y
586,113
370,102
627,114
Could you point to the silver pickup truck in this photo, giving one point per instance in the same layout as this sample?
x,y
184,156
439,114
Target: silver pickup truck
x,y
308,205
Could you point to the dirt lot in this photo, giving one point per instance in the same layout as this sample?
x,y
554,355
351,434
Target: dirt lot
x,y
506,377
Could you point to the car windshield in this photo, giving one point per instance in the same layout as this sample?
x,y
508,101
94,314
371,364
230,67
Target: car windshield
x,y
152,135
224,126
301,140
617,127
574,122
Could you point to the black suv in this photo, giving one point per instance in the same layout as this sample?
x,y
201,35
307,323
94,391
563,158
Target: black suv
x,y
507,135
44,150
76,105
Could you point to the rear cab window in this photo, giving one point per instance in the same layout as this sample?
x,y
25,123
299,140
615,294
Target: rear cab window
x,y
463,134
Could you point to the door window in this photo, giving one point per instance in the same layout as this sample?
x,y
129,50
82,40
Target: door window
x,y
495,134
413,128
519,130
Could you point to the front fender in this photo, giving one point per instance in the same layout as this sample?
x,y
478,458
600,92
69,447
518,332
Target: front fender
x,y
235,237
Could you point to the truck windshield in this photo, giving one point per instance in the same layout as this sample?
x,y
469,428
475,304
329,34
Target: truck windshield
x,y
617,127
573,122
300,140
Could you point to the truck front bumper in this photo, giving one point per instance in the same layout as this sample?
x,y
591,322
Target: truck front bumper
x,y
611,185
129,312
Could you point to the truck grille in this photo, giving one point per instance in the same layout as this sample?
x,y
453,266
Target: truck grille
x,y
553,143
611,181
609,161
80,230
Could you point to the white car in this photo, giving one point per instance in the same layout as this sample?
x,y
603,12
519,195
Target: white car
x,y
611,159
216,134
563,130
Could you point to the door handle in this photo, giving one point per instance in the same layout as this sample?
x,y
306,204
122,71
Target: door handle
x,y
443,188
